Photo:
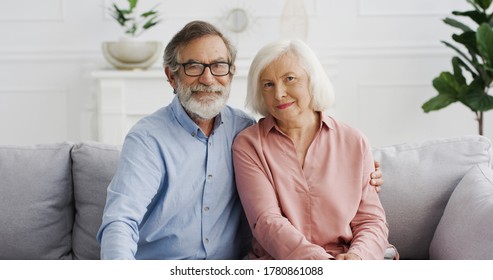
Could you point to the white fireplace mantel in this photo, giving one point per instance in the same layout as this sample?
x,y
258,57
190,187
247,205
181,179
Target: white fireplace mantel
x,y
124,97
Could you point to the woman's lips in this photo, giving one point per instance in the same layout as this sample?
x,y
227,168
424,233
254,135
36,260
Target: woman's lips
x,y
284,105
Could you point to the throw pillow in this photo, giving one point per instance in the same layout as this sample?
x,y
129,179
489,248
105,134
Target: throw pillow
x,y
419,179
36,206
94,165
466,228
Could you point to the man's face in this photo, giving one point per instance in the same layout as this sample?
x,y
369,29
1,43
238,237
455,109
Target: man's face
x,y
206,95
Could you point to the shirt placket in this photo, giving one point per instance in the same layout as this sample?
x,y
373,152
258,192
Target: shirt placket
x,y
207,200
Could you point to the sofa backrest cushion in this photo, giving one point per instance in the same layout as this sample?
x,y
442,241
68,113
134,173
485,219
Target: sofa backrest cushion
x,y
36,202
94,165
465,230
419,179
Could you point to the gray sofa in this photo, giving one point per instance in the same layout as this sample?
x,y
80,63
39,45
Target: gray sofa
x,y
438,196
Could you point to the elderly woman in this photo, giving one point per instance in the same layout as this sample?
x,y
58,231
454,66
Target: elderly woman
x,y
301,175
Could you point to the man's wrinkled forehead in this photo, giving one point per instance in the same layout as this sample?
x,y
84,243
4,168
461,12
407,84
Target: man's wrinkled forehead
x,y
194,49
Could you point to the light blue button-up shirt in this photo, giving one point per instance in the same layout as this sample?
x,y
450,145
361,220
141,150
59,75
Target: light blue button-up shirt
x,y
174,195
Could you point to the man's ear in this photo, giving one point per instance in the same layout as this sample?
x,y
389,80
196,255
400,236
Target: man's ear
x,y
171,77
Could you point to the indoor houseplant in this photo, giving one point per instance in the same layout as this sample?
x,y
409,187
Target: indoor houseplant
x,y
129,52
474,49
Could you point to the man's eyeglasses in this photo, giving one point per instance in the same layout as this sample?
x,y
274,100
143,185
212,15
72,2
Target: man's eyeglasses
x,y
195,69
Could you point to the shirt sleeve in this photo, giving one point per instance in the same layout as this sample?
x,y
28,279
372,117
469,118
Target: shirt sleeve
x,y
131,190
270,228
370,232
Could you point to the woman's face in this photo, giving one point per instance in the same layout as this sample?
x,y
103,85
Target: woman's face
x,y
285,88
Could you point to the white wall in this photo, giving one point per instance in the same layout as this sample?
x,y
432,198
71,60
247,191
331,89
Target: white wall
x,y
381,55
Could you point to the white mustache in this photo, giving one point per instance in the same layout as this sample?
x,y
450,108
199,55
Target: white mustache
x,y
202,88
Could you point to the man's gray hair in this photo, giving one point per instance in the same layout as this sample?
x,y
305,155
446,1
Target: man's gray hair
x,y
191,31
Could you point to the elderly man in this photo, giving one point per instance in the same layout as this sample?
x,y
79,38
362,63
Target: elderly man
x,y
174,195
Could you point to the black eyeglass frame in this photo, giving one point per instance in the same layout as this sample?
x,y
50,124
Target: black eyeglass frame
x,y
205,65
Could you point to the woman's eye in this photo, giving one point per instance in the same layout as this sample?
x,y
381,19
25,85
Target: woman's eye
x,y
268,85
290,78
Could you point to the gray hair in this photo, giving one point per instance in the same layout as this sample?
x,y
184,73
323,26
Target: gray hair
x,y
320,87
191,31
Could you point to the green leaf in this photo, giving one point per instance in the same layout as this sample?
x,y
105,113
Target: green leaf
x,y
476,86
484,37
476,16
147,14
132,4
438,102
456,64
479,101
149,25
484,4
472,61
468,39
467,67
447,84
132,29
457,24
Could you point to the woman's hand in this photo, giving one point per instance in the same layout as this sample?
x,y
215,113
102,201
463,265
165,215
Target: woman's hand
x,y
348,256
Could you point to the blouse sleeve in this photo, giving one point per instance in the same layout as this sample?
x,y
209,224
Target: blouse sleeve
x,y
278,237
369,226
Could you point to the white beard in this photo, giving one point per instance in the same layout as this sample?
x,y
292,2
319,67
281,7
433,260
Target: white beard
x,y
203,107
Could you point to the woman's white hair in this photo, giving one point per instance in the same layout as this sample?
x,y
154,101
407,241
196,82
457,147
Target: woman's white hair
x,y
320,87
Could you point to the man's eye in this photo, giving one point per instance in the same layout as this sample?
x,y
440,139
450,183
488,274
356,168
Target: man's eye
x,y
194,66
220,66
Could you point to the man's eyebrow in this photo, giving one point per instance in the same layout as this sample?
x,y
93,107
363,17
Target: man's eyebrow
x,y
220,59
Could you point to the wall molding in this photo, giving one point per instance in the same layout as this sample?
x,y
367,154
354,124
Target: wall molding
x,y
348,50
415,8
38,11
385,50
49,55
393,85
34,90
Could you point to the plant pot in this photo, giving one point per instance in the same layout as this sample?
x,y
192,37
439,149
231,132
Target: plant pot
x,y
132,54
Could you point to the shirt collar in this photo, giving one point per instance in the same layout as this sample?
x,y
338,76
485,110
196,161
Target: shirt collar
x,y
270,123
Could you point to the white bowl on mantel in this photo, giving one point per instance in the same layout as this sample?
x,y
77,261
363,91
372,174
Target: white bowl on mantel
x,y
132,54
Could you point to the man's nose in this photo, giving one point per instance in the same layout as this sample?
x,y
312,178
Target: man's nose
x,y
206,78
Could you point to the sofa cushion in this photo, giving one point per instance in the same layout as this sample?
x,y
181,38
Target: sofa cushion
x,y
419,179
94,165
36,202
466,229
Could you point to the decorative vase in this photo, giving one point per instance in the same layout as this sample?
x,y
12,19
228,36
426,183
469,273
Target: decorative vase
x,y
294,20
130,54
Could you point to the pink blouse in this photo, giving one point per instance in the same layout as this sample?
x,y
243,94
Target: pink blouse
x,y
321,210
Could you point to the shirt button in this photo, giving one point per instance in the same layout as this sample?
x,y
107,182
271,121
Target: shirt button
x,y
206,208
209,177
206,241
193,134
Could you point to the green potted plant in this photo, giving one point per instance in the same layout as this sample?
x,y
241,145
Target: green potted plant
x,y
132,22
474,49
129,53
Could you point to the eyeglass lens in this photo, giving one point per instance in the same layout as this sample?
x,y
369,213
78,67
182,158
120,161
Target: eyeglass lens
x,y
197,69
